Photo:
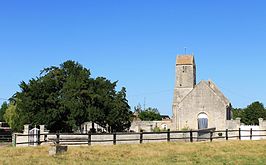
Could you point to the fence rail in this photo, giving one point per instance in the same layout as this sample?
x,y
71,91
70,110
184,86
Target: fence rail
x,y
141,137
6,138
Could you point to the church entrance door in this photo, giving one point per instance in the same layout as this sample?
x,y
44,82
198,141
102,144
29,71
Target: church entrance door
x,y
202,121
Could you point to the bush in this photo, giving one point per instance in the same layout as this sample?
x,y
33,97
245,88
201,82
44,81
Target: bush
x,y
156,129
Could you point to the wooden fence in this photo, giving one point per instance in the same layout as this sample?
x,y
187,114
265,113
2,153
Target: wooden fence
x,y
141,137
5,138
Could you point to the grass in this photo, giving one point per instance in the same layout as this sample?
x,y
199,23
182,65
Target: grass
x,y
230,152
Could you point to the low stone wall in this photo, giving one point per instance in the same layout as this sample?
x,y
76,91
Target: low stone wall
x,y
149,126
262,124
245,132
233,124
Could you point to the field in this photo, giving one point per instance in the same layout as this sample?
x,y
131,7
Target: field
x,y
226,152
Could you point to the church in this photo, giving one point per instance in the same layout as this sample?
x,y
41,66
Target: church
x,y
197,106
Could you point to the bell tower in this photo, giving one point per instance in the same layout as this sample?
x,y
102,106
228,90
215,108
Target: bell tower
x,y
185,81
185,77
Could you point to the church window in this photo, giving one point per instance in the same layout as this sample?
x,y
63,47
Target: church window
x,y
184,69
228,114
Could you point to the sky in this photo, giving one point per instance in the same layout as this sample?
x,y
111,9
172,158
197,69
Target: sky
x,y
136,42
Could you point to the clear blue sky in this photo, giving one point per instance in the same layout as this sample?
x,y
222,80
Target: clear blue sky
x,y
136,42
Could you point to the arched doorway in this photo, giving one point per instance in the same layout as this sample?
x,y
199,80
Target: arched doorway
x,y
202,121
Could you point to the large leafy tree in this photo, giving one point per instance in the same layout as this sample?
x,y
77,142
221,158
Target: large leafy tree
x,y
64,97
251,113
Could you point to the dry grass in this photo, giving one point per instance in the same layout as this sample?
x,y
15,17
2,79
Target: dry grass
x,y
234,152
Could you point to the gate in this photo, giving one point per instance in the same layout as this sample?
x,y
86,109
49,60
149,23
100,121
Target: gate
x,y
34,137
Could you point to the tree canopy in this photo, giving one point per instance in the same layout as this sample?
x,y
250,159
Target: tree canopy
x,y
149,114
64,97
251,113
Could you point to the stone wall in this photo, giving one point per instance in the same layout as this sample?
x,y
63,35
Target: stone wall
x,y
24,137
233,124
201,100
185,81
149,126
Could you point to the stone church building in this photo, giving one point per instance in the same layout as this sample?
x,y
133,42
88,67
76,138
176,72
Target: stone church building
x,y
197,106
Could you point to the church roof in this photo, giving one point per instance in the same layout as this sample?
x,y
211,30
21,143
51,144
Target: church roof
x,y
185,60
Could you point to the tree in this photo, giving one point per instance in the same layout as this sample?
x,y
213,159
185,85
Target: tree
x,y
120,115
252,113
150,114
11,116
237,113
109,108
3,110
64,97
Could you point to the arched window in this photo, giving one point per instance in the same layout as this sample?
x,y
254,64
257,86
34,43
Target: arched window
x,y
202,121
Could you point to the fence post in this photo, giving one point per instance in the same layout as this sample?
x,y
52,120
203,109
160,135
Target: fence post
x,y
211,136
89,138
239,134
15,140
191,136
114,139
57,138
226,134
168,135
141,137
39,137
250,133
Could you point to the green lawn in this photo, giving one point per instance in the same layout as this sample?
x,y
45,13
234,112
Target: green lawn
x,y
230,152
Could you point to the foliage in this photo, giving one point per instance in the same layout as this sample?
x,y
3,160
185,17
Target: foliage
x,y
158,129
3,110
237,113
251,113
11,116
64,97
150,114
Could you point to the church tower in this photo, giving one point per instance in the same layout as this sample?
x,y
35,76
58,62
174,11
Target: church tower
x,y
185,77
184,83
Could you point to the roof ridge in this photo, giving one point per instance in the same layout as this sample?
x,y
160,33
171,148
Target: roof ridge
x,y
217,91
